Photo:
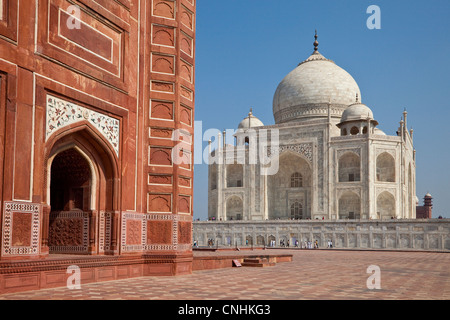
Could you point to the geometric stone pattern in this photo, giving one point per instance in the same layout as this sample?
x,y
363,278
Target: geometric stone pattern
x,y
153,232
69,232
404,276
105,232
21,228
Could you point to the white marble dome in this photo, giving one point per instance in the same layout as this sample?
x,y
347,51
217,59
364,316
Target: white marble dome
x,y
306,92
250,122
357,112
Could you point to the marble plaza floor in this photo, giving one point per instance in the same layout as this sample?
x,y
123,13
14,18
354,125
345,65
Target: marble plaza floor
x,y
312,275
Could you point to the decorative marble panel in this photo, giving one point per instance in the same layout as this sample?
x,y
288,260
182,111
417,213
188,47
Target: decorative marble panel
x,y
305,149
105,231
21,228
160,232
341,152
62,113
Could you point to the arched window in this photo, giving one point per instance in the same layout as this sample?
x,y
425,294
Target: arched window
x,y
349,206
296,211
213,176
235,176
386,206
349,167
385,168
260,241
354,131
235,208
296,180
365,130
344,131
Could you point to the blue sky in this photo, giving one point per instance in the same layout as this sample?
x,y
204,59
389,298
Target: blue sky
x,y
244,48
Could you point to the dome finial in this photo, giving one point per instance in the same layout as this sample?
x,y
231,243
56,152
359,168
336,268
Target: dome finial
x,y
316,43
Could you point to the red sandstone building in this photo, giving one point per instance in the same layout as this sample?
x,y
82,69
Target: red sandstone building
x,y
91,93
425,211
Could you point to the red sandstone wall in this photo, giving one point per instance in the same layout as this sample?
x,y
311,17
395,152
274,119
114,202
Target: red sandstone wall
x,y
423,212
131,61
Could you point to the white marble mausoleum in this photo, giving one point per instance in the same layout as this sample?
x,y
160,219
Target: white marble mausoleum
x,y
333,160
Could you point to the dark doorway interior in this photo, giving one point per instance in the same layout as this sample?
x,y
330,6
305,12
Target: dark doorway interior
x,y
70,182
70,198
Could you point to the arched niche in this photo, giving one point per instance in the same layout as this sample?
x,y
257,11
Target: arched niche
x,y
386,205
385,168
349,206
349,167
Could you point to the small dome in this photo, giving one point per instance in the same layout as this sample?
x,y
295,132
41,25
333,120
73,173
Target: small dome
x,y
250,122
357,112
428,195
379,132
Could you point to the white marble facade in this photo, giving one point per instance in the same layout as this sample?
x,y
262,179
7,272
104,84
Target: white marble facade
x,y
334,161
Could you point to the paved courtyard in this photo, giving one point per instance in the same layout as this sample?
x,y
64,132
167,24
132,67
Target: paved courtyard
x,y
313,274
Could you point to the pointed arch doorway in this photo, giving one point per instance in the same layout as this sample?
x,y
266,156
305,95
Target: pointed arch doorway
x,y
71,187
82,195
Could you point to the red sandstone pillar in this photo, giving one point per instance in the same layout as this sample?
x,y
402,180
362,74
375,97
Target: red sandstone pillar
x,y
115,231
92,234
45,223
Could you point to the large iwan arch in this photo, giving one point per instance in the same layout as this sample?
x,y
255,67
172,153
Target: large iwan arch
x,y
81,189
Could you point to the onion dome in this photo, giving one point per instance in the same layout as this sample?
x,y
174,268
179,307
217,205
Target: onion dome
x,y
307,91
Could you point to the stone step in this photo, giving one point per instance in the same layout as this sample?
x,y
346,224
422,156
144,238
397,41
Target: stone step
x,y
257,262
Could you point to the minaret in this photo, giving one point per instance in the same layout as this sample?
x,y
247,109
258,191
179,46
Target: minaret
x,y
428,206
428,200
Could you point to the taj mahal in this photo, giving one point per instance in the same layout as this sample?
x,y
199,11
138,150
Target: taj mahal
x,y
334,163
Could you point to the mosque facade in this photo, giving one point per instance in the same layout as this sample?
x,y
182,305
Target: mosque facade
x,y
91,93
333,161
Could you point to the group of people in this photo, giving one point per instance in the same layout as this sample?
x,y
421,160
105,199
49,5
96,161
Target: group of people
x,y
307,244
310,245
